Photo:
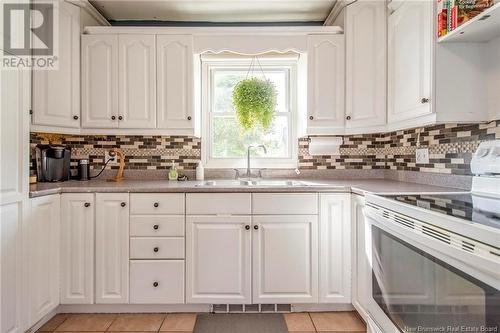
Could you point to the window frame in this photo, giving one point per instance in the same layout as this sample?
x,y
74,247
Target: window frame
x,y
213,64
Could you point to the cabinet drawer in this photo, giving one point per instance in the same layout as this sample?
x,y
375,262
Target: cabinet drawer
x,y
157,248
157,281
157,225
218,203
156,203
285,203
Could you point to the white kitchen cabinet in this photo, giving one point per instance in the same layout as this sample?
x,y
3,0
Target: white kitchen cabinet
x,y
409,61
43,245
111,247
218,259
99,81
14,159
77,248
137,81
285,259
175,82
325,84
366,57
56,93
335,249
157,281
361,270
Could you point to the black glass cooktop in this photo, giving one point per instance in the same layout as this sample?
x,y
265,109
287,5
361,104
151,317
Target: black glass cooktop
x,y
467,206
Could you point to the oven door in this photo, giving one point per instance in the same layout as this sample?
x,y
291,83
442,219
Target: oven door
x,y
424,280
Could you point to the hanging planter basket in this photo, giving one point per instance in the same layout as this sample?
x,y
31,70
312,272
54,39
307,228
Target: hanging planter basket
x,y
254,100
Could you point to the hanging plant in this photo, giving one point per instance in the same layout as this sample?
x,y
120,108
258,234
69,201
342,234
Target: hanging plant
x,y
254,100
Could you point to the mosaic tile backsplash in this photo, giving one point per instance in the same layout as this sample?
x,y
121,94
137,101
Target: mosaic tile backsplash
x,y
450,149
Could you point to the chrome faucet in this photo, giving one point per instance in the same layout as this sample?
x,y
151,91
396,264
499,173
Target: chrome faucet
x,y
249,173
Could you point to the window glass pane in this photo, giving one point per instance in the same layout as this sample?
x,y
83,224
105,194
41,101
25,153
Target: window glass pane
x,y
229,142
225,80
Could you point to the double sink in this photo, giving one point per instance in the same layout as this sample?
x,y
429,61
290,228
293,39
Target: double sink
x,y
258,183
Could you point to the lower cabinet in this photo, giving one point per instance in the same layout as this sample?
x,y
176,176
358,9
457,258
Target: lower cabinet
x,y
335,248
285,259
218,257
77,248
42,232
157,281
112,248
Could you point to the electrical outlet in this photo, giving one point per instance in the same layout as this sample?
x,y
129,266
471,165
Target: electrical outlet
x,y
108,157
422,156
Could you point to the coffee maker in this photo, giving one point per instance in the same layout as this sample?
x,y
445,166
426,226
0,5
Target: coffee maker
x,y
52,163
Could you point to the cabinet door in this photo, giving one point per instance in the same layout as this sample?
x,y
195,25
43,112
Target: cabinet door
x,y
366,58
175,81
218,264
409,61
56,93
111,247
137,81
43,234
77,248
14,160
335,249
100,81
285,257
325,84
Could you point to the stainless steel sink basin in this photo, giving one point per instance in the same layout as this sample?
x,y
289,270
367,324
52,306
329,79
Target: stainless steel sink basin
x,y
257,183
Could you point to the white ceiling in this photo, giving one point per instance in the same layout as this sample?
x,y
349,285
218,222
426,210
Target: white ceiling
x,y
216,10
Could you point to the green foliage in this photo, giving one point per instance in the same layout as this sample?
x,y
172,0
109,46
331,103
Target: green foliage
x,y
255,101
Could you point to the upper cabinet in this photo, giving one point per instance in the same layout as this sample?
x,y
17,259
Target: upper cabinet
x,y
325,84
409,59
100,78
56,93
175,81
137,81
366,58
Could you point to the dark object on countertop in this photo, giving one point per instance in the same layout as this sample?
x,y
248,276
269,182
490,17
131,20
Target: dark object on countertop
x,y
52,163
83,169
182,178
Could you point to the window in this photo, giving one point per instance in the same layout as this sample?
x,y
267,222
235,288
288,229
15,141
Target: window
x,y
226,145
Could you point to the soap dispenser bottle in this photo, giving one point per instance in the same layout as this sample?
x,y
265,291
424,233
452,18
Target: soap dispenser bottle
x,y
172,174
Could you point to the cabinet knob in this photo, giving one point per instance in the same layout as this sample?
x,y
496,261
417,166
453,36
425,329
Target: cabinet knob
x,y
256,227
87,204
348,117
156,249
311,117
155,284
156,205
424,100
113,117
189,117
123,204
120,118
247,227
156,226
75,117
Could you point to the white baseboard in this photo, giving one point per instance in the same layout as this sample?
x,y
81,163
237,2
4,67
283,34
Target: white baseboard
x,y
321,307
131,308
42,321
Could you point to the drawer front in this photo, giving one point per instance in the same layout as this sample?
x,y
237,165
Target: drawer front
x,y
156,203
157,281
157,248
218,203
285,203
157,225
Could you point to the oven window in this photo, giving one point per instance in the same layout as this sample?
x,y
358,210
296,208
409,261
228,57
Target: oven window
x,y
420,293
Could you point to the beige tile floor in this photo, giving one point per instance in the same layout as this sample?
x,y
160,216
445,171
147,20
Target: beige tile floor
x,y
322,322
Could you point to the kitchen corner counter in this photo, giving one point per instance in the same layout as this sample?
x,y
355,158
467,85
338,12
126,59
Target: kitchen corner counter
x,y
358,186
